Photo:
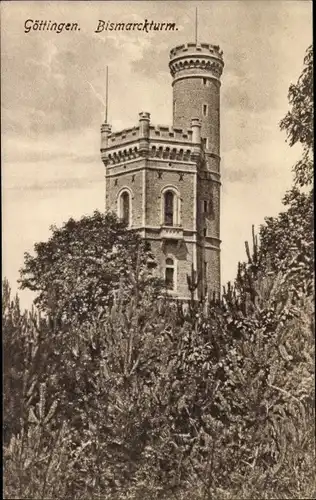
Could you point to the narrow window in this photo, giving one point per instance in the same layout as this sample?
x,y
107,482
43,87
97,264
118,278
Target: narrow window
x,y
204,81
169,274
125,211
204,232
204,109
205,207
205,278
205,142
169,200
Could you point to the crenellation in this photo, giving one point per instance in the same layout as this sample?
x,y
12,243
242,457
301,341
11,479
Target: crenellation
x,y
164,132
206,48
124,135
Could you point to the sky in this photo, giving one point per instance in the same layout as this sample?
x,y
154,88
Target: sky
x,y
53,87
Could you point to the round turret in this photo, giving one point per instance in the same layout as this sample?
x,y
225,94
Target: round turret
x,y
196,70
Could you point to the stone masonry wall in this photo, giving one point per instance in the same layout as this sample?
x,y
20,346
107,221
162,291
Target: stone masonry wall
x,y
187,108
156,181
209,191
183,257
133,180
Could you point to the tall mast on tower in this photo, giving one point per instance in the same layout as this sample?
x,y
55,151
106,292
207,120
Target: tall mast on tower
x,y
107,94
196,25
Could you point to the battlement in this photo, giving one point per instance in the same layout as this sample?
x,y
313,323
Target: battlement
x,y
123,136
148,133
154,142
158,132
197,49
202,58
170,133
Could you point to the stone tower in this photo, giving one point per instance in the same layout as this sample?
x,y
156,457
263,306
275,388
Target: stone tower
x,y
165,181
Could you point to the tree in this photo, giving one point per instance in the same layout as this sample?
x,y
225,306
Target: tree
x,y
29,352
79,270
287,241
299,121
269,311
13,360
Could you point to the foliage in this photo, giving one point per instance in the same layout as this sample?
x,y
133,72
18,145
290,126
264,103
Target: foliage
x,y
162,401
37,460
287,241
271,376
299,122
25,354
78,271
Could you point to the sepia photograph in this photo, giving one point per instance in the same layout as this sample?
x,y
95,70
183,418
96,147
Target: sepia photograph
x,y
157,250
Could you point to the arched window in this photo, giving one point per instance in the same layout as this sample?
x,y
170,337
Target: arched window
x,y
169,208
124,207
170,274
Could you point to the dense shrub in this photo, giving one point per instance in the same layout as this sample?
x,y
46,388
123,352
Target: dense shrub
x,y
159,403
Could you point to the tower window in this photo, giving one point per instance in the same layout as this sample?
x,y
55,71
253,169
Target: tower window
x,y
205,142
204,232
204,109
205,278
170,206
205,206
169,274
204,81
169,212
124,207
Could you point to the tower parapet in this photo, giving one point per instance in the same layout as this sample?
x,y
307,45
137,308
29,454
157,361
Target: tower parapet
x,y
148,140
191,58
201,47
